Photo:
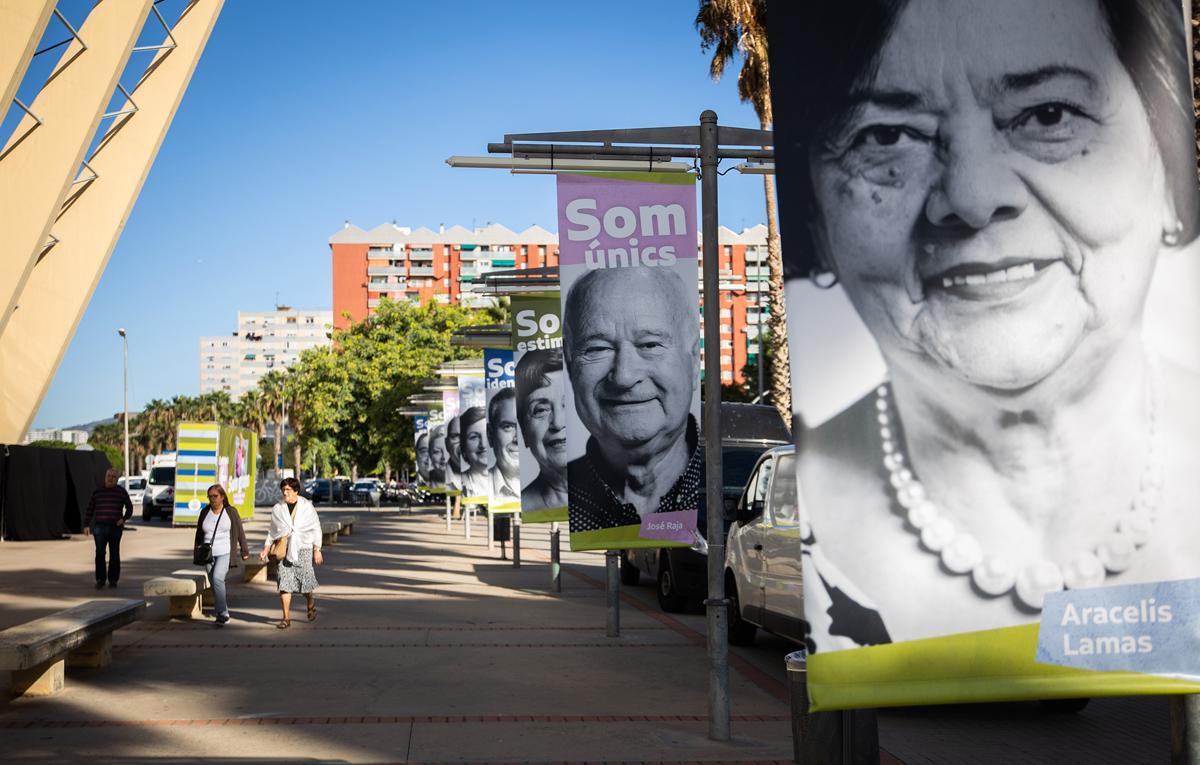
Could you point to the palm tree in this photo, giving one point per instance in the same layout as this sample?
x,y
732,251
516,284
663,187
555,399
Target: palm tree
x,y
729,28
250,413
293,387
274,403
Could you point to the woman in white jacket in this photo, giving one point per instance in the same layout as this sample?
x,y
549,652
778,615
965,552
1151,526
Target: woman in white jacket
x,y
296,518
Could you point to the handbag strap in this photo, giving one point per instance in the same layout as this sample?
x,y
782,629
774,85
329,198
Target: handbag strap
x,y
217,525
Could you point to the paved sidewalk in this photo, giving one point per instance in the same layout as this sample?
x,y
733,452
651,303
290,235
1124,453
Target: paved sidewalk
x,y
430,648
426,649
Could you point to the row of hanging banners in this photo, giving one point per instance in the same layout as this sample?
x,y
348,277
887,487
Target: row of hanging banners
x,y
995,452
592,419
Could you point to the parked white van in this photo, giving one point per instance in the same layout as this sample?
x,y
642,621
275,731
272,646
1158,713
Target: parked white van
x,y
762,558
159,497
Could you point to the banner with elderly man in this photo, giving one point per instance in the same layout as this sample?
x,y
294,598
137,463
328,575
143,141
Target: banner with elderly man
x,y
502,426
631,347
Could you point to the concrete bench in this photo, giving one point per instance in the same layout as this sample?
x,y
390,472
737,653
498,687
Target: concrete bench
x,y
37,652
255,570
329,532
186,590
347,526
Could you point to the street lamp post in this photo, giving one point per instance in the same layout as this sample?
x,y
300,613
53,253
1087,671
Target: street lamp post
x,y
125,386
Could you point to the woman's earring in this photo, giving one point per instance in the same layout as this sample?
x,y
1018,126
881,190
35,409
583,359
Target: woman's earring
x,y
822,280
1171,236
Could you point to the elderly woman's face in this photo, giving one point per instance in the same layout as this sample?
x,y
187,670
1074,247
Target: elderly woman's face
x,y
997,203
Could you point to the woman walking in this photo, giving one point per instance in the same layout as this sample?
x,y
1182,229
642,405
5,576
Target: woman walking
x,y
217,525
295,518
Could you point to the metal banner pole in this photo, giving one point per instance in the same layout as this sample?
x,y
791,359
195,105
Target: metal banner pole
x,y
1185,730
612,567
491,531
466,516
555,558
715,604
447,513
515,521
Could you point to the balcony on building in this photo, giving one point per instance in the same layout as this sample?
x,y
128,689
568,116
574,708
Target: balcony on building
x,y
380,251
756,254
421,253
385,271
372,302
420,270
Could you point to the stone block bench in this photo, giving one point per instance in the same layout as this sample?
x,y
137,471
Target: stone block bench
x,y
347,525
329,532
37,652
255,570
187,591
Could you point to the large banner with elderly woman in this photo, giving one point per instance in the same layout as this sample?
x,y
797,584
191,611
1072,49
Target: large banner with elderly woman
x,y
988,213
631,344
474,451
541,408
505,475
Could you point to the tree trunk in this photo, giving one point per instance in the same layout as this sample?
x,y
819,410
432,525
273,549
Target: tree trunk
x,y
296,455
780,372
354,472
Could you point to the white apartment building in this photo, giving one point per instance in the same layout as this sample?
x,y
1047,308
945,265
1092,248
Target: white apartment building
x,y
76,437
263,341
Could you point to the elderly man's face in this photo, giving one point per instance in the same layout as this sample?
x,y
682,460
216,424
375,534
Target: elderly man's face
x,y
508,454
633,363
546,423
110,480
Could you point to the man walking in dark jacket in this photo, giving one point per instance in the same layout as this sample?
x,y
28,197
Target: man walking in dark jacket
x,y
105,522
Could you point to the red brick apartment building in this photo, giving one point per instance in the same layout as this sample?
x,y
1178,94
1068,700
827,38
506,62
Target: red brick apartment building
x,y
421,265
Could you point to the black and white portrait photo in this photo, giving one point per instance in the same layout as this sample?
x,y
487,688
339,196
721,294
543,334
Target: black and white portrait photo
x,y
978,199
632,347
542,417
502,427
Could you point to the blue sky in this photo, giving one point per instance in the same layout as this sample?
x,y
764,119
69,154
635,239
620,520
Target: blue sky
x,y
304,114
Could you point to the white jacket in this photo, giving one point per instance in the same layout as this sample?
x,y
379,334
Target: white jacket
x,y
304,533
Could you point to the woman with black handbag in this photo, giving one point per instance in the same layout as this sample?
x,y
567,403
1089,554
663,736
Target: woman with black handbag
x,y
215,530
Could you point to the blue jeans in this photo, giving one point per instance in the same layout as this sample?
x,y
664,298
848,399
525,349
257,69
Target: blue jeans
x,y
108,538
216,574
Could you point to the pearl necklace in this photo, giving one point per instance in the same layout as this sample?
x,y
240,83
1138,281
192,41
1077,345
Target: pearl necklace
x,y
994,575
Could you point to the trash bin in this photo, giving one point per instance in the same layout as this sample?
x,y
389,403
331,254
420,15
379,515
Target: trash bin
x,y
827,738
501,528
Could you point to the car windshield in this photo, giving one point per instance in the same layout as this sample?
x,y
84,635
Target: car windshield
x,y
736,465
162,476
365,485
137,483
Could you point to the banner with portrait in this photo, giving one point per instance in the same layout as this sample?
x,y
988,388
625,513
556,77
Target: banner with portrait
x,y
442,471
631,349
541,407
498,373
990,213
421,447
475,459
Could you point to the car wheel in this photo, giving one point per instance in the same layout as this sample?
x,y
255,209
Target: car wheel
x,y
1064,706
669,597
630,576
146,514
741,632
